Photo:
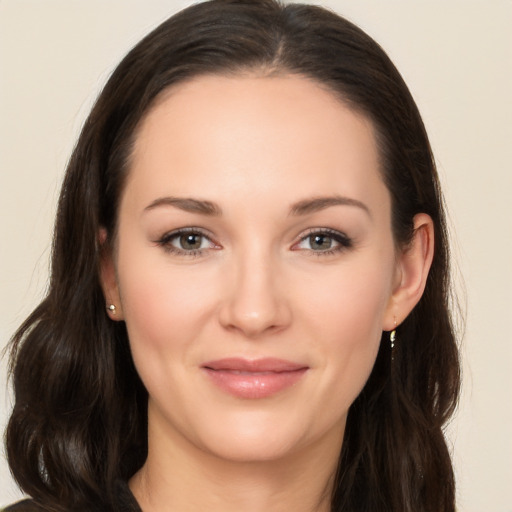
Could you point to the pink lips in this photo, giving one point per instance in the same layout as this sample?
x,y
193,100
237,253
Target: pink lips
x,y
258,378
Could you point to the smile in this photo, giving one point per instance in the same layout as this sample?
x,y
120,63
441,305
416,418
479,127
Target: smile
x,y
255,379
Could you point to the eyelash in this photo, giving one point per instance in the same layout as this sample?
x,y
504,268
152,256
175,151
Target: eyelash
x,y
166,242
343,241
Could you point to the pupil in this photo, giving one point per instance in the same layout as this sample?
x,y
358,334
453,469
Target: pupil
x,y
320,242
190,241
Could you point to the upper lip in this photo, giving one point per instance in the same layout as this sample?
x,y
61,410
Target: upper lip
x,y
267,364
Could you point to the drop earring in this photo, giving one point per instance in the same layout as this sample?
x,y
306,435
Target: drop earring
x,y
392,337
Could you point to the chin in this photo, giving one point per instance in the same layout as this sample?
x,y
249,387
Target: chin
x,y
259,437
262,448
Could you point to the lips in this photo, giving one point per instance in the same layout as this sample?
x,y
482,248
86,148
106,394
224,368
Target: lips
x,y
253,379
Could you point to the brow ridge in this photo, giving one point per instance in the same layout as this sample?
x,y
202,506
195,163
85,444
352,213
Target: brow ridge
x,y
315,204
303,207
187,204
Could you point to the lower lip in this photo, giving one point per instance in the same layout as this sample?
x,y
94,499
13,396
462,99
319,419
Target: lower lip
x,y
254,384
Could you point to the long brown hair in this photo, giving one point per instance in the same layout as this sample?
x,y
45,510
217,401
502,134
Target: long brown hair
x,y
79,419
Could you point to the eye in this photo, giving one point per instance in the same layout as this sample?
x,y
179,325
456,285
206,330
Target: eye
x,y
320,242
325,241
189,241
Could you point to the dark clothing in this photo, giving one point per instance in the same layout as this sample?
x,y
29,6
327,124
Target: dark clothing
x,y
126,503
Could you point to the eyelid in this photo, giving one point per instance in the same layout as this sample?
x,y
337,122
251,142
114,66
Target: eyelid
x,y
165,241
344,241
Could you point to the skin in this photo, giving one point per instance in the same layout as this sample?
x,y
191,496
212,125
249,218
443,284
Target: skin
x,y
258,148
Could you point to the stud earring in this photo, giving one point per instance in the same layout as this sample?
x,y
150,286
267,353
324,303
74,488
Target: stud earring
x,y
112,308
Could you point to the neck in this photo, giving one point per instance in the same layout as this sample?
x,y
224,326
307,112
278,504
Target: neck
x,y
177,478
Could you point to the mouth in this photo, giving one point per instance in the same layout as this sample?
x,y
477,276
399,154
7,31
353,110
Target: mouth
x,y
253,379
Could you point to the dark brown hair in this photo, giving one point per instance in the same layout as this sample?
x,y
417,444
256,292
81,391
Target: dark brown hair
x,y
79,419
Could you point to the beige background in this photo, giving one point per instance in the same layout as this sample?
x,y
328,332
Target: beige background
x,y
457,59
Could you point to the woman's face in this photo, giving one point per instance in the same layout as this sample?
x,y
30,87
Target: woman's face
x,y
255,264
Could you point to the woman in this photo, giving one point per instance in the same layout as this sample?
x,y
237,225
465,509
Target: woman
x,y
248,307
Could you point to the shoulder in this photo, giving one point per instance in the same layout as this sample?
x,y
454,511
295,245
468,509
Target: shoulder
x,y
24,506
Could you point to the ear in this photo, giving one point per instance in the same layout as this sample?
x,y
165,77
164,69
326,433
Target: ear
x,y
413,266
108,279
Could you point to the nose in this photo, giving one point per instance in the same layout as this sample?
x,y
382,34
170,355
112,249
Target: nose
x,y
255,301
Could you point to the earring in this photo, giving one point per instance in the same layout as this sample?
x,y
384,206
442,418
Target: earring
x,y
111,308
392,337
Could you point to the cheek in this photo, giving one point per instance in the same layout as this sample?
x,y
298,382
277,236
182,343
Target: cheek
x,y
165,310
352,301
346,319
163,305
353,325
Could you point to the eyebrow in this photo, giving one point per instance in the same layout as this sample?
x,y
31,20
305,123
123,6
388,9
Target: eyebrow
x,y
187,204
303,207
308,206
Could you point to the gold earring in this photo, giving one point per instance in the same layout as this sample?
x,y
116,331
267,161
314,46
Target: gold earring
x,y
112,308
392,337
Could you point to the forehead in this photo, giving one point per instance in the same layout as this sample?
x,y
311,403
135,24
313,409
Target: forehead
x,y
249,134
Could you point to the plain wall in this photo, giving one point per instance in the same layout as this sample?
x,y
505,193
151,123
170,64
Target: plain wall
x,y
456,57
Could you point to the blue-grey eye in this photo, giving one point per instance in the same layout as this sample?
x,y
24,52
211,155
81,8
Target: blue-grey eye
x,y
320,242
327,241
190,241
186,242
